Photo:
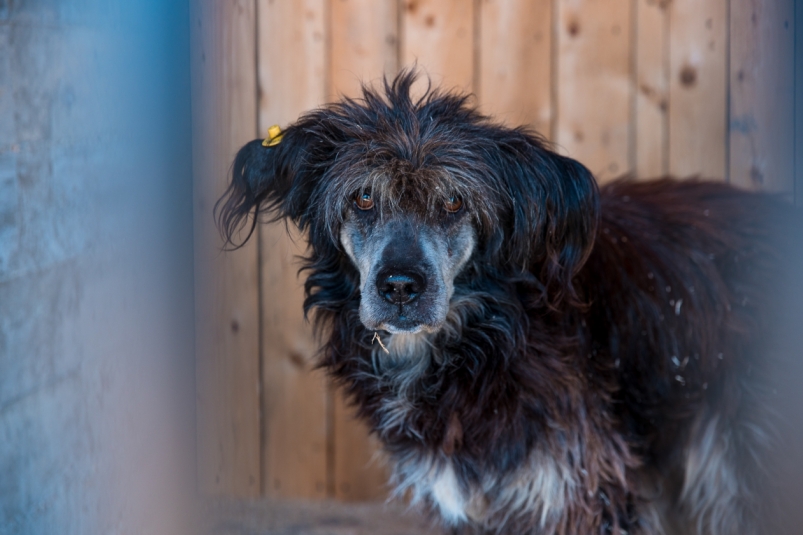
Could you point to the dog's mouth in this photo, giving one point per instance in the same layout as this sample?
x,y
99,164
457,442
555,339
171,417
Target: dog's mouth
x,y
402,324
405,325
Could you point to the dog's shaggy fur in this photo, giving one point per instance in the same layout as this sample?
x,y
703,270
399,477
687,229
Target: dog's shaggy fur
x,y
597,365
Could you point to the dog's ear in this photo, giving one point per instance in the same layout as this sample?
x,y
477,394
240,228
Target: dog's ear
x,y
554,211
271,176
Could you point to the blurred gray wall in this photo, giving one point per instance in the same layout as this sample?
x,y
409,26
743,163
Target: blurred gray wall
x,y
96,275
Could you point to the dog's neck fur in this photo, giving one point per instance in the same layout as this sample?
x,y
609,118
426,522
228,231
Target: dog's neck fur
x,y
552,403
412,369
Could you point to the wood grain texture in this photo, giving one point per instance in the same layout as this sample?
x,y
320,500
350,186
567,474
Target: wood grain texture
x,y
651,91
438,35
762,94
292,59
364,44
698,49
294,397
359,468
226,291
593,122
292,80
515,62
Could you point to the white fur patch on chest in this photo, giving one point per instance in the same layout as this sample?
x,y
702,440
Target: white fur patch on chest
x,y
538,489
445,492
433,480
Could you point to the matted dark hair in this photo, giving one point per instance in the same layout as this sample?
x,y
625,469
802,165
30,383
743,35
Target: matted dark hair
x,y
615,364
535,210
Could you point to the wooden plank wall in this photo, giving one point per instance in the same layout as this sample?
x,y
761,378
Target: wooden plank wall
x,y
643,87
292,78
226,297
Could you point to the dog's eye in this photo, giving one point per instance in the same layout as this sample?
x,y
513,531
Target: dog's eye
x,y
453,204
364,201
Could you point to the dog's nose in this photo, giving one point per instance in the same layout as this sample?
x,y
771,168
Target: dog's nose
x,y
400,288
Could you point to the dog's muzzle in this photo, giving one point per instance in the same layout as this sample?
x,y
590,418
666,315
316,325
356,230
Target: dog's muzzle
x,y
407,268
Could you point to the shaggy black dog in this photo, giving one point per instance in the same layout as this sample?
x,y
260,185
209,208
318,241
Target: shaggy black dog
x,y
536,354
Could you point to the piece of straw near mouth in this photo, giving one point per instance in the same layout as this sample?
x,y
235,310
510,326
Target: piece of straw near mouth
x,y
378,339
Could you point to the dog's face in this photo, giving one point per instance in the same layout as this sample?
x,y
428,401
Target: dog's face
x,y
400,197
407,260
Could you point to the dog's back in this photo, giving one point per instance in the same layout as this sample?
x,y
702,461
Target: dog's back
x,y
681,282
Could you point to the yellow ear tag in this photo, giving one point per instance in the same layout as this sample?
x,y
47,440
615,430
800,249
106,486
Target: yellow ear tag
x,y
274,136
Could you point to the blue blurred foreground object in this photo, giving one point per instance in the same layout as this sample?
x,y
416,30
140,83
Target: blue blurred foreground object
x,y
96,306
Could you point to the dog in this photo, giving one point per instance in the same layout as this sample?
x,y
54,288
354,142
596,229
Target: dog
x,y
537,354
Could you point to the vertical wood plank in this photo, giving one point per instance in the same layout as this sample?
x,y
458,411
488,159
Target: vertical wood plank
x,y
762,93
364,44
439,36
360,472
593,122
226,290
364,47
292,58
652,87
292,79
515,62
295,400
698,48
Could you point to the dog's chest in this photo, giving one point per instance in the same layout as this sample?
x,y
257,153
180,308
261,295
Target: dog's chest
x,y
538,489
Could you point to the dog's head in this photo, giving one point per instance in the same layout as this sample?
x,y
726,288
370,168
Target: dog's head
x,y
410,194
